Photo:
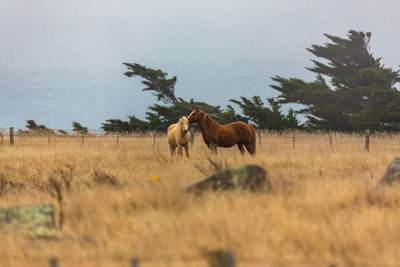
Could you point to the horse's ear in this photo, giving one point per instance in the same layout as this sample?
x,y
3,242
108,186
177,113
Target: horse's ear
x,y
197,108
180,117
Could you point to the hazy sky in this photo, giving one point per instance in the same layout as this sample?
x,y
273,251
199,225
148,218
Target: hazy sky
x,y
61,61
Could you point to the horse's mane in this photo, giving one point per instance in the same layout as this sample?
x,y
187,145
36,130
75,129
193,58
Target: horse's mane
x,y
209,121
179,122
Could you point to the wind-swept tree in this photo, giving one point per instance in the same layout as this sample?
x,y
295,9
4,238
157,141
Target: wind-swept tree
x,y
160,116
154,80
78,128
32,126
360,92
120,126
264,117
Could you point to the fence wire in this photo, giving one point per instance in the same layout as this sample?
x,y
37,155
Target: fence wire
x,y
295,138
186,259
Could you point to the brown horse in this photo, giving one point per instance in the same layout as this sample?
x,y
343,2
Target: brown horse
x,y
214,134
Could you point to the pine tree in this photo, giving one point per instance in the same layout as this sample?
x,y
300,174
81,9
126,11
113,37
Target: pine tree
x,y
267,117
360,93
160,116
132,125
33,126
78,128
155,80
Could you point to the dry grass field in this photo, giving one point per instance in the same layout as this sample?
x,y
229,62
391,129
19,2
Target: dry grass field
x,y
321,210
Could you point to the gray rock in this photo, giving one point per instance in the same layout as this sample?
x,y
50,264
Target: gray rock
x,y
392,173
247,177
34,221
221,257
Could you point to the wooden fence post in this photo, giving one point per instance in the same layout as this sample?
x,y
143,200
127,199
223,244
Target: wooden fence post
x,y
11,135
49,137
294,141
367,139
191,137
83,138
259,137
134,262
221,258
154,138
330,138
118,138
53,262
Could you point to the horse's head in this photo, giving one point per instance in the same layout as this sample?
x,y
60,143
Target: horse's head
x,y
184,122
196,115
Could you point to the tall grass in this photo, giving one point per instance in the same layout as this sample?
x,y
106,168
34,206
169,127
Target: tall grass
x,y
320,210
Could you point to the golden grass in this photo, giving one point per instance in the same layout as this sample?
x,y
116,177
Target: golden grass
x,y
320,211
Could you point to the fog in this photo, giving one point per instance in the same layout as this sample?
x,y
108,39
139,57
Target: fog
x,y
61,61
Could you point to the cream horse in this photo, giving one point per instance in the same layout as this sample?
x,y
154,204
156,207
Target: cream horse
x,y
179,136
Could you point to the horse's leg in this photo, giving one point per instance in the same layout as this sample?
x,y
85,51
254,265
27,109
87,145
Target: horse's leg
x,y
249,149
187,150
172,148
180,150
213,148
241,149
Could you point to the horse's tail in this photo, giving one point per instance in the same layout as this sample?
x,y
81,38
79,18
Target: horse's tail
x,y
252,139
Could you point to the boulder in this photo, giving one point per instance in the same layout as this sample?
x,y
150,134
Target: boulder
x,y
247,177
392,173
34,221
